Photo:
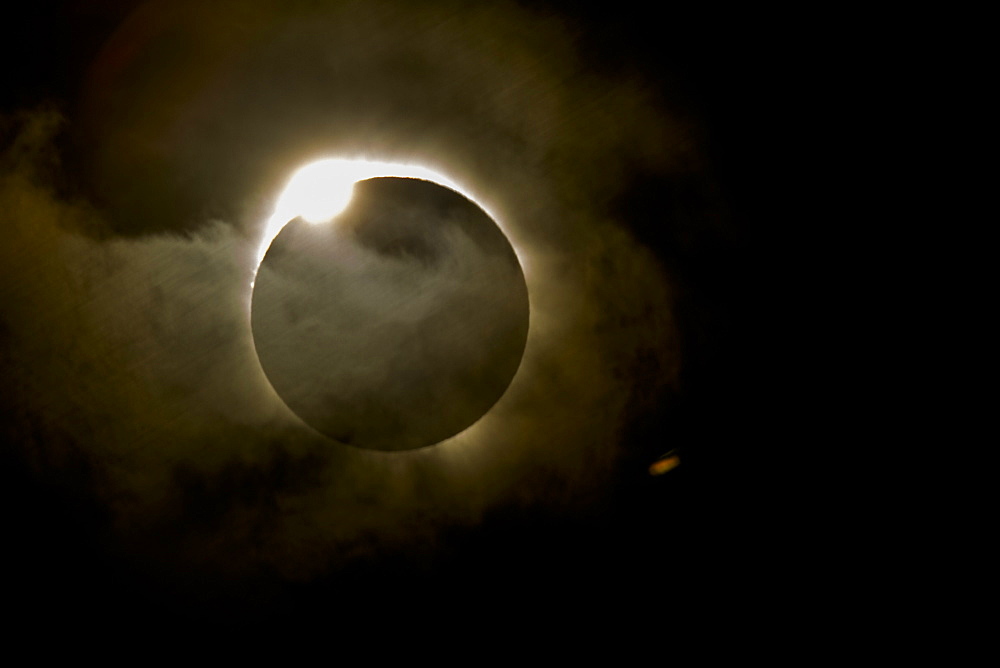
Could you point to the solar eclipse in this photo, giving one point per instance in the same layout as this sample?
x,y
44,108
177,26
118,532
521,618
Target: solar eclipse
x,y
389,313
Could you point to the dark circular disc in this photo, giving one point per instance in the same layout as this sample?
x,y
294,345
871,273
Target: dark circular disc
x,y
397,324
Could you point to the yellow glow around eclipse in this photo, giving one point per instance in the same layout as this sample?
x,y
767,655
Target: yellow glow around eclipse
x,y
320,190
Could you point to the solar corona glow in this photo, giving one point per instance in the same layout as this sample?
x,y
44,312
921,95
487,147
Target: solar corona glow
x,y
389,310
320,190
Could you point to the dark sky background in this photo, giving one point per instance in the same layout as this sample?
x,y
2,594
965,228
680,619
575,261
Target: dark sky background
x,y
149,479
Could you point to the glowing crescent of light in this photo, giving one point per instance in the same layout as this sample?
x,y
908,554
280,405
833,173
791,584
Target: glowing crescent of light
x,y
320,190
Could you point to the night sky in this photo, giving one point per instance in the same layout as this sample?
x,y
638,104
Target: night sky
x,y
150,476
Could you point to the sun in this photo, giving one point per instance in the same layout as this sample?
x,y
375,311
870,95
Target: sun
x,y
320,190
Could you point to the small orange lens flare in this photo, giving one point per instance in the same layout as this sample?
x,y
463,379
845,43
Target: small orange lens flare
x,y
667,462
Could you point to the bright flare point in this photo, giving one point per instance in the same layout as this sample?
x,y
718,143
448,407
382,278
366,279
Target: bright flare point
x,y
321,190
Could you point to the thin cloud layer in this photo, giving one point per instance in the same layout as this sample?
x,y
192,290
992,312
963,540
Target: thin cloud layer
x,y
126,328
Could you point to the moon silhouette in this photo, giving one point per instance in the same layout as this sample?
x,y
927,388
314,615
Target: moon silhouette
x,y
395,325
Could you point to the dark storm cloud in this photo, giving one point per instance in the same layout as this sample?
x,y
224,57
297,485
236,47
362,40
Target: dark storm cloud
x,y
134,342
